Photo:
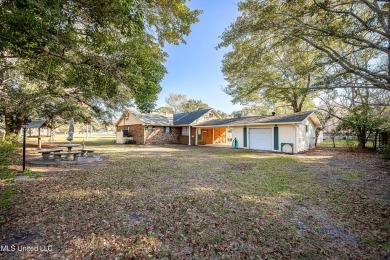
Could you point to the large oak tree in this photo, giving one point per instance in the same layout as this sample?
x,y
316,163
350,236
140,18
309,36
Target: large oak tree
x,y
97,52
340,29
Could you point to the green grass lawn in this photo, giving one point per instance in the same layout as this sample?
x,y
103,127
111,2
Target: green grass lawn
x,y
177,201
344,143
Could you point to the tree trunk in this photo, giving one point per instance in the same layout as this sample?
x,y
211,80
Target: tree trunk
x,y
12,126
362,139
376,139
52,135
333,137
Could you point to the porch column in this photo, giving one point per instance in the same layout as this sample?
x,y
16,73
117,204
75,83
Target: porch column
x,y
213,136
189,135
196,136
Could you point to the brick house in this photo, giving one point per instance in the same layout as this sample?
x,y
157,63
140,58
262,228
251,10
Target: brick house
x,y
161,129
291,133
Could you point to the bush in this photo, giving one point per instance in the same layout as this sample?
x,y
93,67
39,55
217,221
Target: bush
x,y
7,157
384,151
350,144
130,142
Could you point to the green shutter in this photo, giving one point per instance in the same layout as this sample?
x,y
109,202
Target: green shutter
x,y
245,136
170,130
165,129
276,138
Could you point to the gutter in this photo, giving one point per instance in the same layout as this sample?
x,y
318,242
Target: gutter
x,y
259,124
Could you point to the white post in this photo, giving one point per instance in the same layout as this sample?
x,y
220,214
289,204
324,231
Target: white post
x,y
90,130
213,135
196,136
86,131
189,135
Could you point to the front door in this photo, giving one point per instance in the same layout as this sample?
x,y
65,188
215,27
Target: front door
x,y
200,135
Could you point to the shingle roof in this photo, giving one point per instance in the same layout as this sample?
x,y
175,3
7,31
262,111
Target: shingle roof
x,y
293,118
188,118
169,120
153,119
37,124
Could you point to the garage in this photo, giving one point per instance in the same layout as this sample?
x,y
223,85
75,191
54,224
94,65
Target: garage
x,y
260,138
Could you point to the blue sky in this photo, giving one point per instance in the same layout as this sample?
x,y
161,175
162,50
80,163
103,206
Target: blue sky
x,y
194,69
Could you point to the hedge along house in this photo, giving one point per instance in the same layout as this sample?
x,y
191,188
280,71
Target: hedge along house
x,y
279,133
159,129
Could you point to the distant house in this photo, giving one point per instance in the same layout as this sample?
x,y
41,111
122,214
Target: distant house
x,y
159,129
278,133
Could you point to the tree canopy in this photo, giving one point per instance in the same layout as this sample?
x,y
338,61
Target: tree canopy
x,y
193,104
97,52
340,29
275,76
176,102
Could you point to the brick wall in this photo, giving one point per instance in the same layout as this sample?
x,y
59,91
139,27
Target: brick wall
x,y
184,139
159,137
137,131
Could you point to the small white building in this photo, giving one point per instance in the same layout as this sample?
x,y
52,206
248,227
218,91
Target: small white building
x,y
292,133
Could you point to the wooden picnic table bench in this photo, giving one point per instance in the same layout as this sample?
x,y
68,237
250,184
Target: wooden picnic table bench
x,y
46,153
75,154
87,152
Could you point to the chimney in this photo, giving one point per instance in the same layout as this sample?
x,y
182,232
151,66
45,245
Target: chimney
x,y
273,113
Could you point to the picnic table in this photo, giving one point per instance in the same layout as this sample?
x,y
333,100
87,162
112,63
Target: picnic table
x,y
69,146
69,155
46,153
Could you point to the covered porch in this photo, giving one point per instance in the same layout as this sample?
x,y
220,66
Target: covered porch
x,y
219,136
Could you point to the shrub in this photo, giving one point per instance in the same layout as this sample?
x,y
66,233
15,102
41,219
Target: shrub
x,y
129,142
384,151
7,157
350,144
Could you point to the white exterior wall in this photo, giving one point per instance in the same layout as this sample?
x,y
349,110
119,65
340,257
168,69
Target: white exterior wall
x,y
237,132
119,137
295,134
306,140
287,135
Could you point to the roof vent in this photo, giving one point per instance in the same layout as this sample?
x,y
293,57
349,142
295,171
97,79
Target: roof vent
x,y
273,113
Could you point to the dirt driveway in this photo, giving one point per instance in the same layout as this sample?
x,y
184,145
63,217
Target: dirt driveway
x,y
177,201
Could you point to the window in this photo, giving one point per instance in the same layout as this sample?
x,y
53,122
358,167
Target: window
x,y
150,129
211,115
184,131
167,130
307,128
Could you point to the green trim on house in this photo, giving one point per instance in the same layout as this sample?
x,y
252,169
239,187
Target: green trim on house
x,y
245,136
276,138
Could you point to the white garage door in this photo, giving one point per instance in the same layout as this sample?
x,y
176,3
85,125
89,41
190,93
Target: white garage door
x,y
260,138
